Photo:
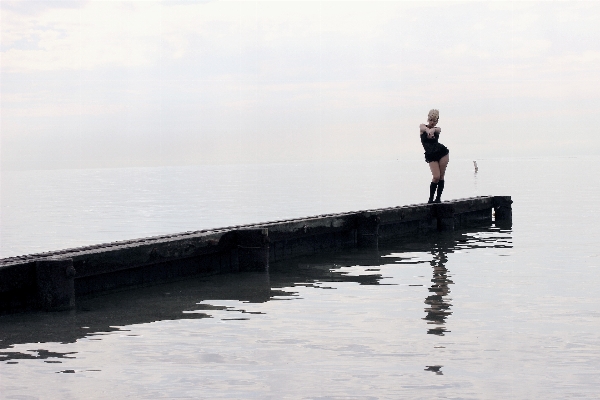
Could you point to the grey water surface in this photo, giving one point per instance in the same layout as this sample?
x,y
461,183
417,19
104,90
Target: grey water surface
x,y
489,312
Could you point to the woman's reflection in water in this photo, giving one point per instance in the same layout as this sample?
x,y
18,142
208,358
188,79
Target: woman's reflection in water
x,y
438,302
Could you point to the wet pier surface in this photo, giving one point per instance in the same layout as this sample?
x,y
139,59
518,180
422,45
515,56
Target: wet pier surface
x,y
52,281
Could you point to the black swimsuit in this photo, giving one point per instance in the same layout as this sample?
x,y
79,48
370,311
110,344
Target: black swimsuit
x,y
434,150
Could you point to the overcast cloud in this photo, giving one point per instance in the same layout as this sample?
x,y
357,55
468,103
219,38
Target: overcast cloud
x,y
143,83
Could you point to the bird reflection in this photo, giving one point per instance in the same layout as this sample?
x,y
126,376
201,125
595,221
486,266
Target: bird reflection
x,y
438,301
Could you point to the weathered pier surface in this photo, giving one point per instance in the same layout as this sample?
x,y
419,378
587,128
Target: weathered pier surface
x,y
53,280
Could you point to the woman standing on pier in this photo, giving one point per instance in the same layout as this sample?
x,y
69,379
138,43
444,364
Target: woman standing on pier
x,y
436,154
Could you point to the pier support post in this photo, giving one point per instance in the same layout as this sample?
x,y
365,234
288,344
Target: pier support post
x,y
253,249
444,213
503,208
367,231
56,283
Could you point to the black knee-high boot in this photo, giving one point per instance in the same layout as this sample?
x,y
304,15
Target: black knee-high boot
x,y
440,189
432,188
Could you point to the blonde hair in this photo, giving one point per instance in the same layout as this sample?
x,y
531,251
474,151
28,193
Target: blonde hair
x,y
433,114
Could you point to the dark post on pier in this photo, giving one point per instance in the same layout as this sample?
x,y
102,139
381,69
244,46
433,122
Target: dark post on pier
x,y
52,281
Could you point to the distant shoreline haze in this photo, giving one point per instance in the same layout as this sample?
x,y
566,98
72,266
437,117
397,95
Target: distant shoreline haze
x,y
121,84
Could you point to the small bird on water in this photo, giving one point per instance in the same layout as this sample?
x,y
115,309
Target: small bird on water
x,y
475,165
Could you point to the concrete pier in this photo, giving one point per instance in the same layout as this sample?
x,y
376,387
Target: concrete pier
x,y
55,283
53,280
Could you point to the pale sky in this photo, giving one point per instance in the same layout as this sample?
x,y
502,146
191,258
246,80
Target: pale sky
x,y
148,83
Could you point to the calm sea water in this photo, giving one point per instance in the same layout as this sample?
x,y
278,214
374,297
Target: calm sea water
x,y
495,312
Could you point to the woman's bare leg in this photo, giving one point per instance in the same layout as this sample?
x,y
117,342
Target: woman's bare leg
x,y
434,166
442,165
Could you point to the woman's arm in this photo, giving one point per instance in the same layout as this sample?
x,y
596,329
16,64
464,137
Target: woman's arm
x,y
429,131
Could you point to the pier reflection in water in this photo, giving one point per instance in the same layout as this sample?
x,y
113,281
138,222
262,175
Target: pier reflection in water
x,y
352,313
